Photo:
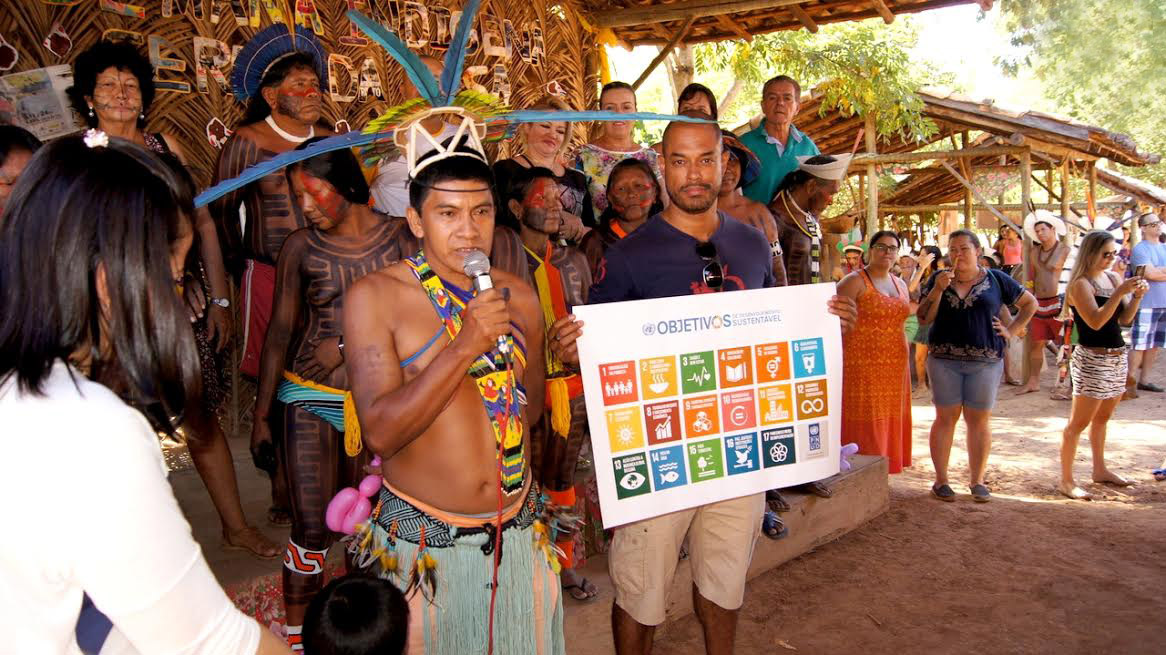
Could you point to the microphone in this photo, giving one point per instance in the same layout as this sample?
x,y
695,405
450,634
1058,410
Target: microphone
x,y
476,265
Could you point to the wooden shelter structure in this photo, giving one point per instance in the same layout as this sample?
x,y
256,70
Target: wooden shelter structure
x,y
973,139
658,22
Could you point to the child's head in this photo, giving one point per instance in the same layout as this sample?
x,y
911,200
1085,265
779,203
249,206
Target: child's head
x,y
357,615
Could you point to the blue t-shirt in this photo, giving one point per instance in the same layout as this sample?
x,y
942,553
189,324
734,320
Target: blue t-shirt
x,y
963,326
775,164
1150,254
659,261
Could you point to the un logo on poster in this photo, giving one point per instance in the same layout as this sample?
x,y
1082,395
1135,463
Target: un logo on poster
x,y
649,329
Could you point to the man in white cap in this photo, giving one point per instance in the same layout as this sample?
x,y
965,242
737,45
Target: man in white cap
x,y
1046,260
800,199
851,261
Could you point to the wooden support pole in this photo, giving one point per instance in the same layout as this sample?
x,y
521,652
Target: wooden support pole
x,y
1026,259
881,7
664,52
804,18
1065,207
966,165
1054,198
1092,200
872,180
968,185
907,157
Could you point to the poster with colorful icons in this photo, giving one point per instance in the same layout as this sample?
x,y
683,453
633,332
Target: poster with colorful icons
x,y
702,398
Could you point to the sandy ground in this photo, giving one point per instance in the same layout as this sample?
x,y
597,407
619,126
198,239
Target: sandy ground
x,y
1029,572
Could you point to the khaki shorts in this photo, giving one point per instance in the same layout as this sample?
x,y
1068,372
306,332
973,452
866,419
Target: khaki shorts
x,y
721,537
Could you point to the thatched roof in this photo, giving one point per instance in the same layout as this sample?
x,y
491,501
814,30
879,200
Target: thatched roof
x,y
653,22
1052,139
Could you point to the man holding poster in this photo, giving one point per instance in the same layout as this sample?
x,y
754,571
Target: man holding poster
x,y
689,248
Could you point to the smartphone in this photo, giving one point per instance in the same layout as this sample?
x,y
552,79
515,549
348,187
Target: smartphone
x,y
1140,271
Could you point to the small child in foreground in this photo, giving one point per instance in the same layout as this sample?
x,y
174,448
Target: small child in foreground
x,y
357,615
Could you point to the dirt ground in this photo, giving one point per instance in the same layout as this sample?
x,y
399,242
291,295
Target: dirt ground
x,y
1031,572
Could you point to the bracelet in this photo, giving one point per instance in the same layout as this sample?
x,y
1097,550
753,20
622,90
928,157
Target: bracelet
x,y
340,345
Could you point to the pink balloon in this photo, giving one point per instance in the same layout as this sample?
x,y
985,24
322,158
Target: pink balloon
x,y
339,508
370,485
358,514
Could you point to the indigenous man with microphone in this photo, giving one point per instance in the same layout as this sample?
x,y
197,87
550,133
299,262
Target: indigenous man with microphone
x,y
444,380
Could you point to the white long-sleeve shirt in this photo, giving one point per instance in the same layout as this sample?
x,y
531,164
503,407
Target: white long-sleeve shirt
x,y
85,507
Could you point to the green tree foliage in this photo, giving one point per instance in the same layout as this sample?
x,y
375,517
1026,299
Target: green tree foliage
x,y
1100,61
859,67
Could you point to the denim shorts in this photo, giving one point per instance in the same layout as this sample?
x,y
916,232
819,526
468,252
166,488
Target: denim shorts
x,y
959,382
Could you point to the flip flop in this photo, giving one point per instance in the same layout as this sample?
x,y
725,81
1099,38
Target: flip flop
x,y
773,527
582,591
776,501
818,489
1159,474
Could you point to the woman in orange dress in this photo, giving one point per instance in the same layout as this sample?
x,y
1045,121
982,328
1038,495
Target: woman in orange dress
x,y
876,385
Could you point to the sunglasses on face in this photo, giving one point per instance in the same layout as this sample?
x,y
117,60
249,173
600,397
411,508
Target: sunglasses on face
x,y
712,274
1109,255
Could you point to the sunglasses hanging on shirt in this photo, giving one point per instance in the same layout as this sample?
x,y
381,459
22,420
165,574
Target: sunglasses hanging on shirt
x,y
712,275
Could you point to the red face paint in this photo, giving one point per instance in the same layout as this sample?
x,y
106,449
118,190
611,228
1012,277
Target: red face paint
x,y
325,202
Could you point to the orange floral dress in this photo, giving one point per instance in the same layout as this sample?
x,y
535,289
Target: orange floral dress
x,y
876,387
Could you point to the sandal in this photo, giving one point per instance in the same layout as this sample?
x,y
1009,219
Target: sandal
x,y
943,492
773,527
279,516
819,489
250,539
980,493
583,590
776,502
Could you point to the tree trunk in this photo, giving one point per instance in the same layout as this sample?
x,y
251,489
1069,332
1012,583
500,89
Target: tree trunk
x,y
730,96
681,66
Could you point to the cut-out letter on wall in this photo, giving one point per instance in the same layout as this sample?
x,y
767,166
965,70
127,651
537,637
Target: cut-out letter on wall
x,y
172,8
493,43
309,17
123,8
341,87
501,83
236,8
441,32
211,57
169,64
9,55
510,37
355,37
272,7
370,80
415,25
470,75
116,36
533,49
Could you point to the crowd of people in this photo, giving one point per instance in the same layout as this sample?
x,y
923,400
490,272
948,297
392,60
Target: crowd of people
x,y
376,349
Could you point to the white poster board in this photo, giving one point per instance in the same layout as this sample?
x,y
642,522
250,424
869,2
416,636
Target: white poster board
x,y
36,101
695,399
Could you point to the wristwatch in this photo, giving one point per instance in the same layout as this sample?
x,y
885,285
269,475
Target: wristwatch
x,y
221,302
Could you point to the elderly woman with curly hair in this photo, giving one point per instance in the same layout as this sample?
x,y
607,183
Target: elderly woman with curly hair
x,y
113,87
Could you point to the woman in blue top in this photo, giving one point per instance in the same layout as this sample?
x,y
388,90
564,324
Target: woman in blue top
x,y
965,353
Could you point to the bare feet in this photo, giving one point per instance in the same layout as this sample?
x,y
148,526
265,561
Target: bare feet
x,y
1073,492
1111,478
1027,389
253,541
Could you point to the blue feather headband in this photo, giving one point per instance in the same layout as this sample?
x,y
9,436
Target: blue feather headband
x,y
269,46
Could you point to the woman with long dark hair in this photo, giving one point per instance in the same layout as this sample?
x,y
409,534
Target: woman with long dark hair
x,y
931,261
1101,303
96,354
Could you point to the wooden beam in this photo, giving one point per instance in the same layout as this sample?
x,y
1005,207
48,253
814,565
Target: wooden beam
x,y
624,17
966,167
804,18
1065,208
733,27
905,157
1008,207
1026,257
664,52
872,178
881,7
983,201
1092,200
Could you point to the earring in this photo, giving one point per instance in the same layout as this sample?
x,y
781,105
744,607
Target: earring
x,y
142,115
90,111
